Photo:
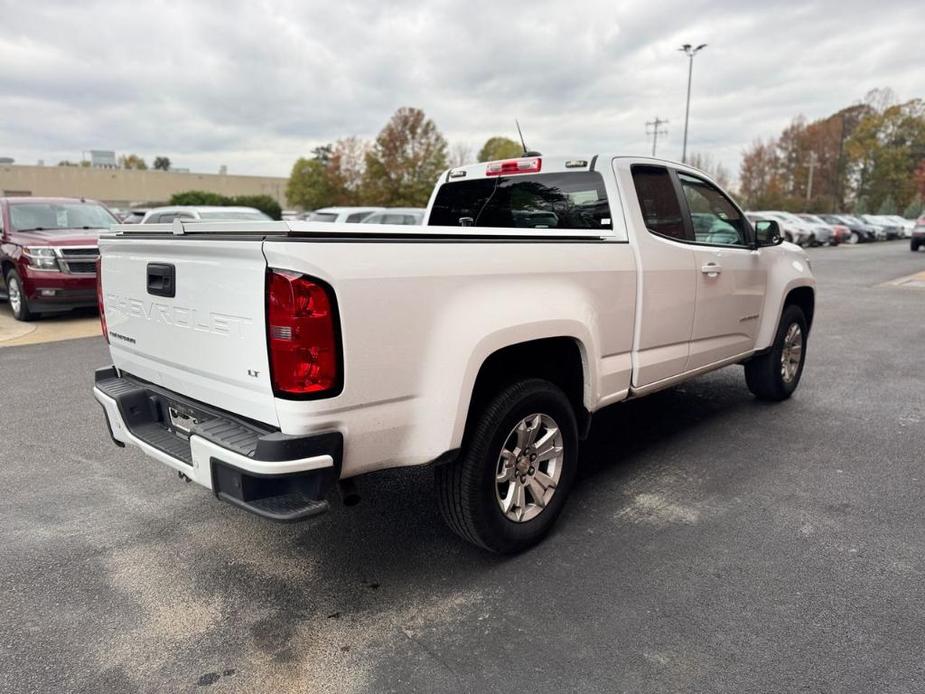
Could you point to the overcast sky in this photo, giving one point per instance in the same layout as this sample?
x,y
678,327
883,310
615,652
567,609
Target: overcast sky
x,y
256,83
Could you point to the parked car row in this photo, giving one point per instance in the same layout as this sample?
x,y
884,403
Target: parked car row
x,y
832,229
406,216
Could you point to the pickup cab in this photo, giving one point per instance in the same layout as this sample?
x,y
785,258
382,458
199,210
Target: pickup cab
x,y
48,251
271,361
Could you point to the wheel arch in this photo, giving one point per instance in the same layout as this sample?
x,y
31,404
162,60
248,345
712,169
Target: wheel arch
x,y
805,298
561,360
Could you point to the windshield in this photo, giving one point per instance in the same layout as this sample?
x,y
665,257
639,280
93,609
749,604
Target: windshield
x,y
574,200
45,216
239,214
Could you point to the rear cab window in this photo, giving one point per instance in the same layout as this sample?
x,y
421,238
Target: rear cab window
x,y
566,200
658,200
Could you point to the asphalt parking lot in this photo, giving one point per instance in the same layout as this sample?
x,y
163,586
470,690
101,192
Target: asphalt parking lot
x,y
713,544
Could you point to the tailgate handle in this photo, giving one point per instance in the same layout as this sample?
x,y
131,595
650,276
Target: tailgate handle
x,y
162,279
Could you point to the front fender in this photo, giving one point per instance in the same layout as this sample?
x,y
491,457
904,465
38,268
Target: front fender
x,y
789,270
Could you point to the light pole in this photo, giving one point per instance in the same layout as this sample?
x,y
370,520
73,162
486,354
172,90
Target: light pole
x,y
690,52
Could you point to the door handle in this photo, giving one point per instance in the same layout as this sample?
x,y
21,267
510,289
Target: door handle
x,y
711,269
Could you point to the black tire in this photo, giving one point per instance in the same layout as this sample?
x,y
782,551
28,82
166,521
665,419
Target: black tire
x,y
764,375
914,245
22,312
466,488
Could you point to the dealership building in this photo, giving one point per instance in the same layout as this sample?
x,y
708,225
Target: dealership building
x,y
129,187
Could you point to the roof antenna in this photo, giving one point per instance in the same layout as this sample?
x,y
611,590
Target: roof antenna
x,y
527,152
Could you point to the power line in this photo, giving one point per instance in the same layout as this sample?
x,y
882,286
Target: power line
x,y
656,131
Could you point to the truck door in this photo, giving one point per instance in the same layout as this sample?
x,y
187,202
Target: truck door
x,y
667,290
730,275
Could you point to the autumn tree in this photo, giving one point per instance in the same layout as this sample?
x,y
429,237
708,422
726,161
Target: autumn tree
x,y
332,176
884,152
760,182
346,162
405,160
500,148
132,161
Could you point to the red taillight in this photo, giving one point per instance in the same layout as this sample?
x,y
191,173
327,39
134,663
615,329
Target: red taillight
x,y
302,334
514,166
99,296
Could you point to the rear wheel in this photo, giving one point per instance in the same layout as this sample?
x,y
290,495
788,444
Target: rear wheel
x,y
515,471
19,304
776,374
914,245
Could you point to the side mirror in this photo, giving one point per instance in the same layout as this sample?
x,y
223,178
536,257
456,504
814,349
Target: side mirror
x,y
767,233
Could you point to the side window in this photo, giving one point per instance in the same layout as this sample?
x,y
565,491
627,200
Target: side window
x,y
661,209
715,219
357,217
165,217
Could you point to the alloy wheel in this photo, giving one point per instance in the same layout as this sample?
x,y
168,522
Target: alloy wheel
x,y
529,467
14,292
792,353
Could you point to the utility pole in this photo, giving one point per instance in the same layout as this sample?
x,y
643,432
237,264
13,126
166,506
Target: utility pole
x,y
656,131
690,52
809,183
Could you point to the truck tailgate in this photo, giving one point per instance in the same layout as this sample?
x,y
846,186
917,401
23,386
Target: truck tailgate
x,y
189,315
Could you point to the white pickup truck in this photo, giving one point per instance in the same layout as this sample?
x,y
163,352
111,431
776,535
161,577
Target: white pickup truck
x,y
270,361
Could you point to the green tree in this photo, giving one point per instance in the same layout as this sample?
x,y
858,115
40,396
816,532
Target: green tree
x,y
496,148
162,163
861,206
914,209
308,185
132,161
264,203
405,160
888,206
198,197
323,153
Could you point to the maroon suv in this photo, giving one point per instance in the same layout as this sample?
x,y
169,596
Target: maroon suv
x,y
48,251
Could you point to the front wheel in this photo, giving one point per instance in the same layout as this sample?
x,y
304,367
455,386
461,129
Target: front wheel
x,y
854,238
17,298
914,245
515,471
775,375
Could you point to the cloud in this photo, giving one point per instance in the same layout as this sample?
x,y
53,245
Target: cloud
x,y
256,84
